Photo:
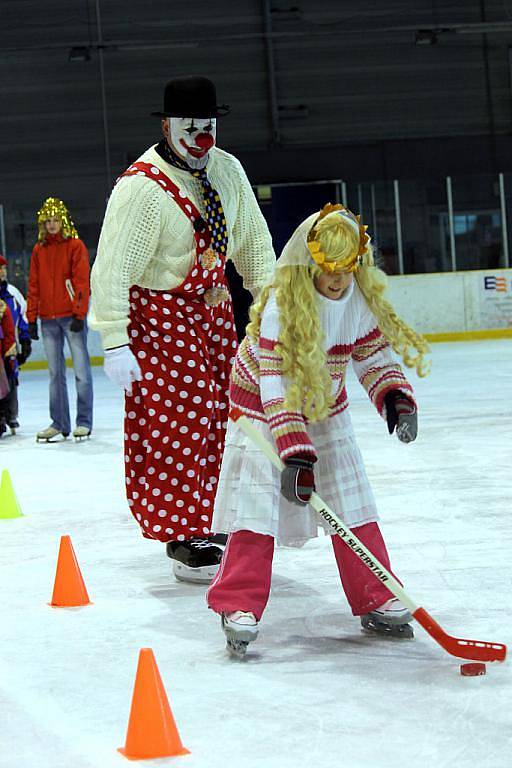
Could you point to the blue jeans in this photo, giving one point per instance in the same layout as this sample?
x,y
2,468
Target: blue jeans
x,y
54,332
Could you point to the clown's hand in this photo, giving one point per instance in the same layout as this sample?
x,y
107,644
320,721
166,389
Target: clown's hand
x,y
122,367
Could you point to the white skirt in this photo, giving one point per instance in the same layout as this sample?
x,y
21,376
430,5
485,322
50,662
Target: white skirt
x,y
249,497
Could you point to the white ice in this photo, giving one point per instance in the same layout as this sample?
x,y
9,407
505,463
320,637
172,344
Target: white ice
x,y
314,692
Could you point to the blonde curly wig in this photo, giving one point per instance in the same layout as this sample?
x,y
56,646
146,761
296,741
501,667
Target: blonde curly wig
x,y
301,341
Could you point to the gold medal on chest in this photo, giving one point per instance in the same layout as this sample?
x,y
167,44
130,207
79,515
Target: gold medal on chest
x,y
209,258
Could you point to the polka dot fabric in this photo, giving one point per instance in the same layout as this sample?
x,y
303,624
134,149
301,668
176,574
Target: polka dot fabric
x,y
176,416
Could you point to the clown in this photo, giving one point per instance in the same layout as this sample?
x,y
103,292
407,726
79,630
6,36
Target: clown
x,y
58,294
162,305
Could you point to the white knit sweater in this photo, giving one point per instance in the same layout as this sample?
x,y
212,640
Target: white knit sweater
x,y
147,240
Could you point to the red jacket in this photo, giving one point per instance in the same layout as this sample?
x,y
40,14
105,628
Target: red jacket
x,y
7,338
58,284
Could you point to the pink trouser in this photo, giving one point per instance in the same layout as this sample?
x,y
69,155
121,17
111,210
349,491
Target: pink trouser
x,y
243,580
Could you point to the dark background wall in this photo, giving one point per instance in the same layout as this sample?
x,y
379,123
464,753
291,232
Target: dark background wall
x,y
319,89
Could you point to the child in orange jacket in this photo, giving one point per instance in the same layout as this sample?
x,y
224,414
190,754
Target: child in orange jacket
x,y
58,294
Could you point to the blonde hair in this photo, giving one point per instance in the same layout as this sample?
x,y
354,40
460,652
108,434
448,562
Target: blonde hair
x,y
301,338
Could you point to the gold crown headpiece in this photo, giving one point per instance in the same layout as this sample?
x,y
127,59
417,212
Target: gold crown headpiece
x,y
52,206
352,262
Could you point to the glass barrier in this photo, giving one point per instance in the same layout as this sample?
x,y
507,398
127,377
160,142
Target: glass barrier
x,y
375,202
286,205
477,222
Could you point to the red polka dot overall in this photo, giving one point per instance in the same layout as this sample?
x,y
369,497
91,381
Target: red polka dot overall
x,y
176,416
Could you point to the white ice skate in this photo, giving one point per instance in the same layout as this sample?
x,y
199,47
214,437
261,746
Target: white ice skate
x,y
81,433
49,434
391,619
240,628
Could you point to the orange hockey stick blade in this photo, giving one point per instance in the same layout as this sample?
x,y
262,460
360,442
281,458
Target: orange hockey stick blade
x,y
475,650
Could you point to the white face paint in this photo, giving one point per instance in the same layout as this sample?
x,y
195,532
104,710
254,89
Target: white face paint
x,y
192,138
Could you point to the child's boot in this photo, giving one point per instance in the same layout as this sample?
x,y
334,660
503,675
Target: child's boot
x,y
390,619
240,628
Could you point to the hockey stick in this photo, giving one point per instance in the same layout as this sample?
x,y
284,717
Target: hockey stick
x,y
475,650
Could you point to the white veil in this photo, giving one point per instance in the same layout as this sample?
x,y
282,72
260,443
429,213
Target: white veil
x,y
296,252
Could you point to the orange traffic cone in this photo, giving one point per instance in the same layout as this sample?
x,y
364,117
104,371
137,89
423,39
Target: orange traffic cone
x,y
69,588
151,730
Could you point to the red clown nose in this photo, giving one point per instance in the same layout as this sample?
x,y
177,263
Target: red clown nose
x,y
205,141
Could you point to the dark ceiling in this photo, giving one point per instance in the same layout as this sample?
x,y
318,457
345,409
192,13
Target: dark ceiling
x,y
318,89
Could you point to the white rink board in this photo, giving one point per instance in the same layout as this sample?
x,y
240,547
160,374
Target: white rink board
x,y
454,302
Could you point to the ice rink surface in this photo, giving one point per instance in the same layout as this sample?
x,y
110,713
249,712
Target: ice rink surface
x,y
314,692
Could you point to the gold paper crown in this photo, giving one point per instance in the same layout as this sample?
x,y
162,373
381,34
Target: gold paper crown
x,y
52,206
351,263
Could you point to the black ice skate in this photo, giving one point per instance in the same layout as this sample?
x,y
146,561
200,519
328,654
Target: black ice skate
x,y
389,620
13,426
195,560
240,628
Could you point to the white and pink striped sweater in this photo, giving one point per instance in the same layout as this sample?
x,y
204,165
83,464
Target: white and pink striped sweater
x,y
257,387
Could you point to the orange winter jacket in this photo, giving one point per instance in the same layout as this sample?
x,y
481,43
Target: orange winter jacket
x,y
58,284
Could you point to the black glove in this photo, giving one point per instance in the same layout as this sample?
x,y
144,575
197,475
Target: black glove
x,y
401,413
26,350
32,329
76,325
297,480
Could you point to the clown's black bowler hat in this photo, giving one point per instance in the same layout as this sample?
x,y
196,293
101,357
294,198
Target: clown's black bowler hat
x,y
191,97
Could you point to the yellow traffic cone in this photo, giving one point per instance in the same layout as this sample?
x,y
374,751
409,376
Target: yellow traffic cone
x,y
9,506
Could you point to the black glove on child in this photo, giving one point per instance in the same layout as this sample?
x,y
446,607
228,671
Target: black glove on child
x,y
401,413
32,330
76,325
297,480
26,350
